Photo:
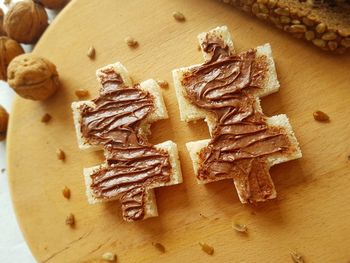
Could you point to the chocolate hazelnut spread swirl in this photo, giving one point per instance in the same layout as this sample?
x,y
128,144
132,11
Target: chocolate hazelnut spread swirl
x,y
132,163
241,140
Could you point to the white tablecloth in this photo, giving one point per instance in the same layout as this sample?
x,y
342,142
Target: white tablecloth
x,y
13,248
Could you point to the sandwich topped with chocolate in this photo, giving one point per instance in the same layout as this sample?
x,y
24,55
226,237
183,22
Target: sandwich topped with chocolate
x,y
118,122
225,91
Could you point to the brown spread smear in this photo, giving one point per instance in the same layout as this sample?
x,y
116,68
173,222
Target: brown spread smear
x,y
241,140
133,163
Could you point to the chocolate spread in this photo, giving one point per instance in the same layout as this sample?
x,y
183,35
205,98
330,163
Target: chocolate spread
x,y
133,164
241,140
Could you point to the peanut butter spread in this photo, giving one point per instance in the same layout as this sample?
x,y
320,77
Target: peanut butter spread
x,y
132,163
241,140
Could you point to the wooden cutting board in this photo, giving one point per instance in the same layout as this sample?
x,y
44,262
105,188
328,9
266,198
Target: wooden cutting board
x,y
312,211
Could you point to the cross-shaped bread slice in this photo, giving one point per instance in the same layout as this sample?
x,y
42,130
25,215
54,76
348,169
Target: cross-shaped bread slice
x,y
225,92
118,122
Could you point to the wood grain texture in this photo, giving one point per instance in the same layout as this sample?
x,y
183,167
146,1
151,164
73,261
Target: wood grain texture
x,y
311,214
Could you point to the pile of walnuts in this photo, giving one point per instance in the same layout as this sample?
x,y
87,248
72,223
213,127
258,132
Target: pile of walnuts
x,y
30,76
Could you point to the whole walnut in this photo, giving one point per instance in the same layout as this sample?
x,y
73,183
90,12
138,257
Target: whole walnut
x,y
4,118
2,31
54,4
33,77
26,21
9,49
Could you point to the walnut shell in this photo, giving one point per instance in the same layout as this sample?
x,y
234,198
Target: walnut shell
x,y
33,77
26,21
54,4
9,49
2,30
4,118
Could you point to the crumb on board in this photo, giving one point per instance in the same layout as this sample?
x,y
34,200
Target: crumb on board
x,y
297,258
46,118
321,116
66,192
60,155
109,256
159,247
207,248
91,53
70,220
178,16
163,84
131,42
82,93
241,228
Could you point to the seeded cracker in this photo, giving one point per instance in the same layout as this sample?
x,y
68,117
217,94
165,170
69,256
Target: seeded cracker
x,y
325,24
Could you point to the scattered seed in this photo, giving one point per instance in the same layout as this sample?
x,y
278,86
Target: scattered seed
x,y
60,155
240,228
346,42
255,8
70,220
321,28
159,246
348,158
163,84
309,35
82,93
179,16
329,36
201,215
206,248
199,48
332,45
3,169
319,42
321,116
343,33
308,21
66,192
282,11
91,52
272,3
131,42
262,16
296,257
46,118
297,29
109,256
285,19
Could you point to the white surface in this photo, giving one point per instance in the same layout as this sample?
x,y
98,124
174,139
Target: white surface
x,y
13,248
12,245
